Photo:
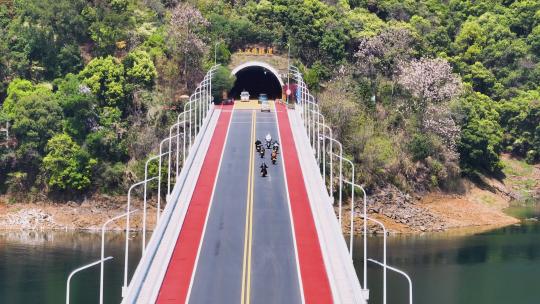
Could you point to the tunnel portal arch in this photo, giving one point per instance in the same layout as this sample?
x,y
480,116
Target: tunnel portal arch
x,y
257,77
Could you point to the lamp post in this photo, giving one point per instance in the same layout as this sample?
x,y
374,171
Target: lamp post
x,y
215,52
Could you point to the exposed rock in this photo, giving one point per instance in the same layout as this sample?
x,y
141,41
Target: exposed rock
x,y
30,219
394,204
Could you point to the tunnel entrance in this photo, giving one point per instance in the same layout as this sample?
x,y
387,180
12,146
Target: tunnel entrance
x,y
256,80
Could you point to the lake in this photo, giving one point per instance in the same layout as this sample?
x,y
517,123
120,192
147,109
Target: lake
x,y
34,266
496,266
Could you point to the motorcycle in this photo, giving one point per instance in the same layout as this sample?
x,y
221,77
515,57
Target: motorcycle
x,y
268,140
258,148
275,147
274,157
264,170
261,152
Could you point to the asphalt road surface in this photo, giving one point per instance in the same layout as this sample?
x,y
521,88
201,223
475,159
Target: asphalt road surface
x,y
247,254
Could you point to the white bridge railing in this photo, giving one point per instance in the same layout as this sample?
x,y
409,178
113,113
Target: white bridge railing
x,y
173,152
324,147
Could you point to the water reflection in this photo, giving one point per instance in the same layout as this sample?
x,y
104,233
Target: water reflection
x,y
34,266
498,266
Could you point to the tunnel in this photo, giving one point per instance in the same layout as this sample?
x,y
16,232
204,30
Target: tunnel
x,y
256,79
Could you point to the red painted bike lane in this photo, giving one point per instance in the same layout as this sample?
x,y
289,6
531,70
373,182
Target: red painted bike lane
x,y
175,285
315,283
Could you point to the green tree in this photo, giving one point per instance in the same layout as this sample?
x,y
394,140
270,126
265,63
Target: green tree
x,y
534,39
67,166
19,88
78,105
363,24
109,24
34,120
523,15
47,34
107,142
481,79
223,55
520,118
481,135
421,146
140,69
238,31
105,78
333,42
222,81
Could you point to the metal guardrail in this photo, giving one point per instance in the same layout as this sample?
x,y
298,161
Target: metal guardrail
x,y
385,266
81,269
102,266
319,134
185,130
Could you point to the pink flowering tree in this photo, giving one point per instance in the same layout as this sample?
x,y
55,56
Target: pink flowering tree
x,y
379,55
430,81
432,85
186,40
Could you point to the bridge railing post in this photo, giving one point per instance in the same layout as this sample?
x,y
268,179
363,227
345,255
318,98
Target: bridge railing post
x,y
386,266
78,270
385,233
102,266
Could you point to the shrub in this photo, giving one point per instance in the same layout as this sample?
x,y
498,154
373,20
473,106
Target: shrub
x,y
110,178
421,146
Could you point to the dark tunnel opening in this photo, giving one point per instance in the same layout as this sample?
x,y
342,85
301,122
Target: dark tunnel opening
x,y
256,80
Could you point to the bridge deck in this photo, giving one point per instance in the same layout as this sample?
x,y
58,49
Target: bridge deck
x,y
248,238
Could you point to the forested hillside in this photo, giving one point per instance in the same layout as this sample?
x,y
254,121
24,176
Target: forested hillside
x,y
421,92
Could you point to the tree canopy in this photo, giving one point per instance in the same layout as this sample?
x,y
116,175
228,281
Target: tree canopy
x,y
431,90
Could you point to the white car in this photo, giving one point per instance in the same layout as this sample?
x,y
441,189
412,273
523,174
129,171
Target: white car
x,y
244,96
265,104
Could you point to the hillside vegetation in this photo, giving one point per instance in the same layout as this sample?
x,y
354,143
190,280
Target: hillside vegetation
x,y
421,92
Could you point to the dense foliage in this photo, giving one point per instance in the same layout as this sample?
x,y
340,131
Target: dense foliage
x,y
428,90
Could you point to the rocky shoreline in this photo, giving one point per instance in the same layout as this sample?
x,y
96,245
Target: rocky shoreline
x,y
477,206
90,214
400,213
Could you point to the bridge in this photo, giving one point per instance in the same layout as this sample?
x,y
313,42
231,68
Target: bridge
x,y
224,233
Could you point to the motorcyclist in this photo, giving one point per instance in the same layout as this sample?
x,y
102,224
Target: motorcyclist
x,y
268,140
275,147
264,170
258,144
261,151
274,157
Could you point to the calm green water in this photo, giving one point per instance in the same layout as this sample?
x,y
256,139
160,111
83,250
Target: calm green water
x,y
34,266
497,266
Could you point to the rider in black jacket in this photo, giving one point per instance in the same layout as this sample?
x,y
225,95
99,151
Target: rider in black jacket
x,y
264,168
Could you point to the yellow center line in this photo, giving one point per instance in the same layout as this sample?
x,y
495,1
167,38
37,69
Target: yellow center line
x,y
248,235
